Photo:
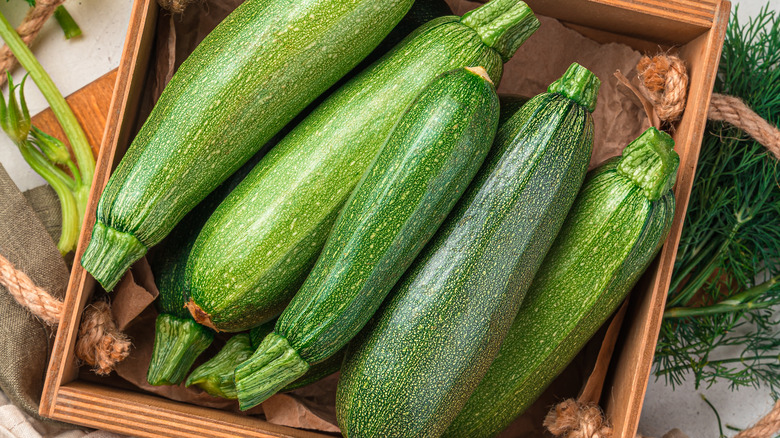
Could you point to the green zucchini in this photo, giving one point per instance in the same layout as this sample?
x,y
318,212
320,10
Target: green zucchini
x,y
316,372
414,366
216,376
415,180
178,339
255,250
615,227
250,76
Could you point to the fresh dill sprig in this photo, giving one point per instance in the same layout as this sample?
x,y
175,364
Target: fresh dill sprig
x,y
719,322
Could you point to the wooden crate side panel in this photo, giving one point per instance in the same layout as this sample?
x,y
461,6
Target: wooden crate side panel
x,y
631,374
149,416
135,56
670,22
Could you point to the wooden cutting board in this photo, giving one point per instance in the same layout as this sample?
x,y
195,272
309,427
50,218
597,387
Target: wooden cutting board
x,y
90,106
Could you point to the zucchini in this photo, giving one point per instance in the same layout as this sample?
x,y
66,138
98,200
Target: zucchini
x,y
413,183
257,247
178,339
250,76
414,366
216,376
316,372
614,230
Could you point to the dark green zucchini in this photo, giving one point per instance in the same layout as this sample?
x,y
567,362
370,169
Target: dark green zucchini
x,y
178,339
419,174
216,376
248,78
414,366
615,227
316,372
255,250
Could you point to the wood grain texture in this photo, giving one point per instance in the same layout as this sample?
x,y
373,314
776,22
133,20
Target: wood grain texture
x,y
149,416
90,106
662,21
626,391
130,75
696,26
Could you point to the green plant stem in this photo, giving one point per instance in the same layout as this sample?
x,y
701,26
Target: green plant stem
x,y
67,23
59,182
717,416
720,362
737,302
71,127
43,167
694,285
683,271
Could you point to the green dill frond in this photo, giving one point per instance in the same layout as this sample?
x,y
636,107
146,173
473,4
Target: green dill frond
x,y
719,323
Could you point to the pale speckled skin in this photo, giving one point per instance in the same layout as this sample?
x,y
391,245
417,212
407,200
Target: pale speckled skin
x,y
423,169
255,250
415,364
608,239
258,68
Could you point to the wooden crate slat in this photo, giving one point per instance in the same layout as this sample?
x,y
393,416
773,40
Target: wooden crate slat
x,y
625,399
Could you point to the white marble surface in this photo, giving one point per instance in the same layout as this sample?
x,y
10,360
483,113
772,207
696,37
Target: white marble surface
x,y
73,64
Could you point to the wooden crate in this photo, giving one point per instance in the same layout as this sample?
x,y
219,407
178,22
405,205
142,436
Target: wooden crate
x,y
695,27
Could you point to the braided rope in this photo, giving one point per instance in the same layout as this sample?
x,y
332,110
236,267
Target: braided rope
x,y
733,110
175,6
766,427
29,29
26,293
100,344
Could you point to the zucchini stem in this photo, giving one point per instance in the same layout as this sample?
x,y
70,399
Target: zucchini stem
x,y
578,84
62,187
216,376
73,192
177,343
272,366
503,25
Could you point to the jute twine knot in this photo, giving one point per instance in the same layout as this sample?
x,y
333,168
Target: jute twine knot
x,y
29,29
665,80
572,419
100,344
175,6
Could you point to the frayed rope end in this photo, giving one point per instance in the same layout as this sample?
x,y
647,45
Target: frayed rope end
x,y
100,344
571,419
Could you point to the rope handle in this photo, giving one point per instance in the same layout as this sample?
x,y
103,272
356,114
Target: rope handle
x,y
99,344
